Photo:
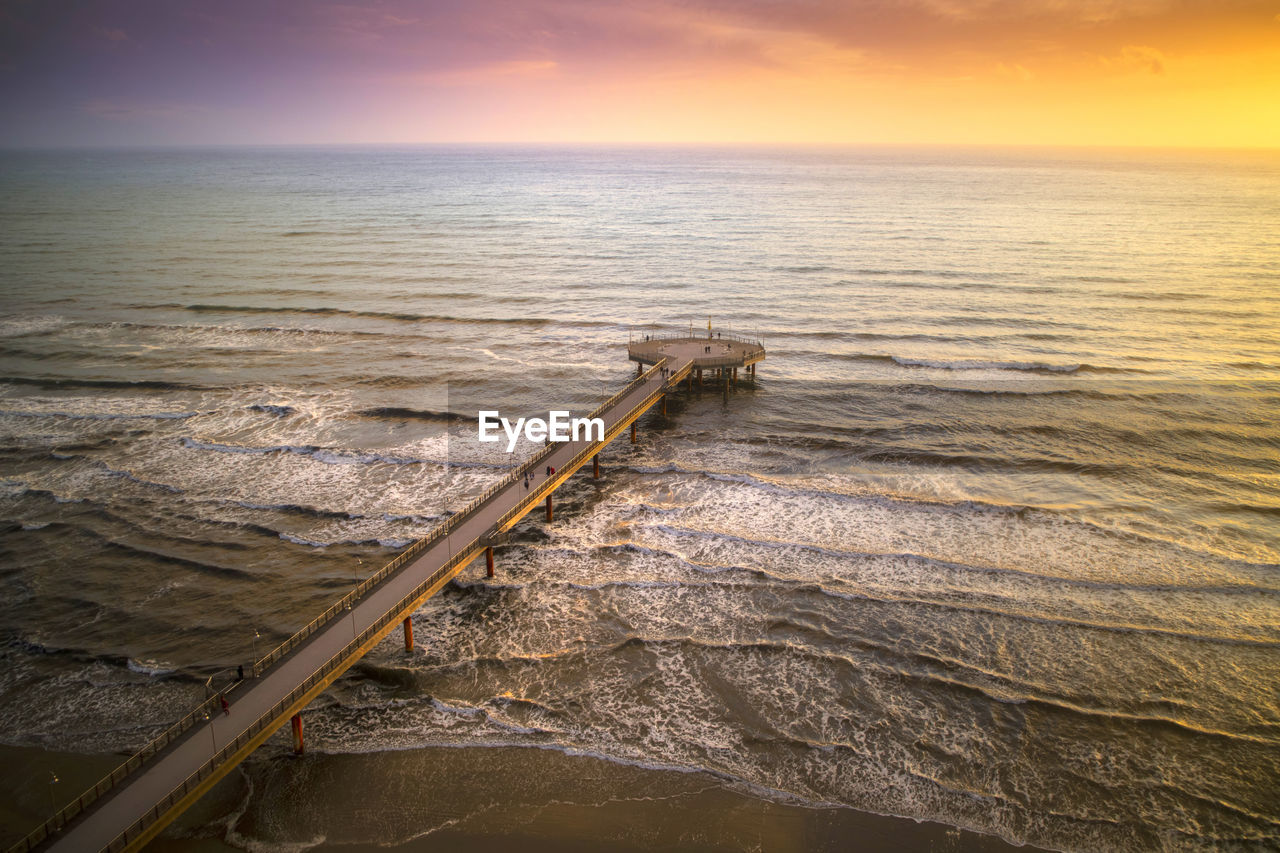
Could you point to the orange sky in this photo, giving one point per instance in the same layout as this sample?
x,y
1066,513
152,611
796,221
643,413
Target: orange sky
x,y
1058,72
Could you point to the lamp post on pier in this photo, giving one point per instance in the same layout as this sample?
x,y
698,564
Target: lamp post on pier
x,y
213,739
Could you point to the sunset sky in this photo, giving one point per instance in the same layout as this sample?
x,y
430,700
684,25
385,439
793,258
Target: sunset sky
x,y
1058,72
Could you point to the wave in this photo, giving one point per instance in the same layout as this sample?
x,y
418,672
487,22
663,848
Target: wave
x,y
86,657
24,326
893,502
278,411
346,312
102,416
1067,393
398,383
911,273
1162,296
396,544
135,550
329,456
220,329
96,509
800,583
401,413
150,667
148,384
1020,464
343,515
1040,367
1021,366
812,268
259,529
1015,694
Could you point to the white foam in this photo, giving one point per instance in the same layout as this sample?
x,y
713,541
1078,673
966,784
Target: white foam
x,y
18,325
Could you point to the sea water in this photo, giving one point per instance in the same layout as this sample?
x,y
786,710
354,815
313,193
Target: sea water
x,y
991,540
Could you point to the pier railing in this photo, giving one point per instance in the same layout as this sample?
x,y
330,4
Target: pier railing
x,y
582,455
718,335
212,705
439,532
276,714
727,361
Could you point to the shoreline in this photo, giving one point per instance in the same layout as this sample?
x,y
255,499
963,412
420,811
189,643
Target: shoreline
x,y
494,798
490,798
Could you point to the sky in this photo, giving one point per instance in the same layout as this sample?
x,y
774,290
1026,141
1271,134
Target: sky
x,y
1178,73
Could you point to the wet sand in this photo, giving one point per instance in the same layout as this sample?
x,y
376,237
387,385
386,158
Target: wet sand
x,y
481,799
521,798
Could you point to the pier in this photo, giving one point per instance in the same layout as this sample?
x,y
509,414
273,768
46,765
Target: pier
x,y
133,804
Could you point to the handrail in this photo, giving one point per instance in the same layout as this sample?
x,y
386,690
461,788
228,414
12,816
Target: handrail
x,y
719,335
724,361
135,829
436,534
591,448
212,704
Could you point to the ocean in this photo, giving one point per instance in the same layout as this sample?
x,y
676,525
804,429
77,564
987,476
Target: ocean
x,y
990,544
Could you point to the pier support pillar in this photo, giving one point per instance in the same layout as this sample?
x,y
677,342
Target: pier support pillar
x,y
548,508
488,556
726,384
297,733
595,467
664,405
408,634
699,377
735,377
639,368
633,432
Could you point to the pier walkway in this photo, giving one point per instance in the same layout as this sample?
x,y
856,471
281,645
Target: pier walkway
x,y
132,805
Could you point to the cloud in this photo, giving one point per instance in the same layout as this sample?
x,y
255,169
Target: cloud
x,y
113,34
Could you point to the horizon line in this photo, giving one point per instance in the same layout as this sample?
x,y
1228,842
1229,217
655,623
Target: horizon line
x,y
479,143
